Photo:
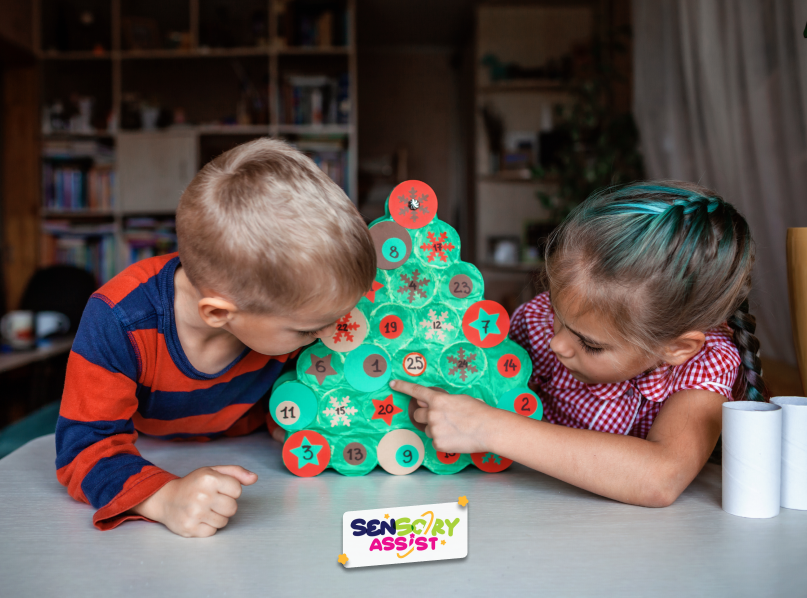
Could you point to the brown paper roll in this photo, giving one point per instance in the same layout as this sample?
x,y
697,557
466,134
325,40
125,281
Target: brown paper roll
x,y
797,292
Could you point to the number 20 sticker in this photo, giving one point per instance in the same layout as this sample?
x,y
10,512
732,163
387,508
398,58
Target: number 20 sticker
x,y
414,364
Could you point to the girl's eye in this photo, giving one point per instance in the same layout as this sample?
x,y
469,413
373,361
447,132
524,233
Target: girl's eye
x,y
589,348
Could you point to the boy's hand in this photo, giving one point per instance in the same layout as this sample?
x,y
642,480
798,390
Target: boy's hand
x,y
199,504
456,423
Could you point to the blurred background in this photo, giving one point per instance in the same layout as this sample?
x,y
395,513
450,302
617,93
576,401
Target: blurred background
x,y
513,111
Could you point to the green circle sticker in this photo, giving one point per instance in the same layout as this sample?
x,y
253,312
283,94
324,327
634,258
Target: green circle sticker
x,y
293,406
406,455
367,368
393,250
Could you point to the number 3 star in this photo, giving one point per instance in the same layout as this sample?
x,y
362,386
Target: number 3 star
x,y
306,453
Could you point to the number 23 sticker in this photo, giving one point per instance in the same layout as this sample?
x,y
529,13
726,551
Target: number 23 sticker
x,y
414,364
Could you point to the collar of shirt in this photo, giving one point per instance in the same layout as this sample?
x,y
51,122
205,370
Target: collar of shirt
x,y
651,385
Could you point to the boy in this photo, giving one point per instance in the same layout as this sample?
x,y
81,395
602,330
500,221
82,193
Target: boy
x,y
271,254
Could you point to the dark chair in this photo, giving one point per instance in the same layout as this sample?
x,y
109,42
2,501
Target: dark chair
x,y
65,289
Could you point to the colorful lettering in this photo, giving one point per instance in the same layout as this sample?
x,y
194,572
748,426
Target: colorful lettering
x,y
451,525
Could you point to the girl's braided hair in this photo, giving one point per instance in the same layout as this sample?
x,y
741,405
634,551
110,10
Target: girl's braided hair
x,y
660,259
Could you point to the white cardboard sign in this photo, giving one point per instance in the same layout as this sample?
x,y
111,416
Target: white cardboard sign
x,y
405,534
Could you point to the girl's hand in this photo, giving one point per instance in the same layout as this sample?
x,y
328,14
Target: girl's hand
x,y
456,423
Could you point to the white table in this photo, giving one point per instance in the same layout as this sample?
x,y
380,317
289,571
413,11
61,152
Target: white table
x,y
529,535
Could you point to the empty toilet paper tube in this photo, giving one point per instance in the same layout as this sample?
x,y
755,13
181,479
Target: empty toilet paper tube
x,y
794,451
752,457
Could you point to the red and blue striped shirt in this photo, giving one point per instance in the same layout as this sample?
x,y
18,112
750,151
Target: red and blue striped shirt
x,y
127,374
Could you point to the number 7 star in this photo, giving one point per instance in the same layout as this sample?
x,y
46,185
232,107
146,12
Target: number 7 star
x,y
486,324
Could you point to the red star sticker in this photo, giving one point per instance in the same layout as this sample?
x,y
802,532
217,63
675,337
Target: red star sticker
x,y
385,410
371,293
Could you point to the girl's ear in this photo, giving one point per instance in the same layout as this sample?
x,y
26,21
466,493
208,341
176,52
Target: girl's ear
x,y
683,348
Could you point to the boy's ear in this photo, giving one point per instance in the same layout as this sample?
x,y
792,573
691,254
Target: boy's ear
x,y
216,312
683,348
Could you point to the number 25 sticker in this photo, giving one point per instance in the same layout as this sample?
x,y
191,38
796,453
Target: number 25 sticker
x,y
414,364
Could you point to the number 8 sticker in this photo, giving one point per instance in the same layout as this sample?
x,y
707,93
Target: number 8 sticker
x,y
414,364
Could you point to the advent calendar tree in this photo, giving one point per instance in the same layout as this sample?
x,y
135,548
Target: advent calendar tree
x,y
424,320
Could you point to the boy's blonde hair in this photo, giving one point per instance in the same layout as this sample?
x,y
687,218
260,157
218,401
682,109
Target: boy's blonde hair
x,y
264,226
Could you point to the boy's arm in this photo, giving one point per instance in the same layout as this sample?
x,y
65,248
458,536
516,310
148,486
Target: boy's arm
x,y
96,457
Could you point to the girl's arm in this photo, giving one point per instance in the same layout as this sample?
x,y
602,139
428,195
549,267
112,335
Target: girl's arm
x,y
650,473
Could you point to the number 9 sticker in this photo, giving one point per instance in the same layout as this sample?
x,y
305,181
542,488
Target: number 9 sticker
x,y
414,364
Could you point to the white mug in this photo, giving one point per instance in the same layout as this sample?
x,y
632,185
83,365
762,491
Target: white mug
x,y
51,322
17,327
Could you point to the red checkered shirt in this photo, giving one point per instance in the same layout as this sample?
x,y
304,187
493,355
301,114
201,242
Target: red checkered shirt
x,y
627,407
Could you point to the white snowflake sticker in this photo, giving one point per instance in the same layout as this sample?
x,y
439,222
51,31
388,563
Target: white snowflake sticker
x,y
436,325
339,411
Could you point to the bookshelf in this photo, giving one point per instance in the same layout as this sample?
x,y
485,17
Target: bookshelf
x,y
521,49
174,84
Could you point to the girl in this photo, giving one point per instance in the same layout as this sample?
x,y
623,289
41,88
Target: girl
x,y
647,308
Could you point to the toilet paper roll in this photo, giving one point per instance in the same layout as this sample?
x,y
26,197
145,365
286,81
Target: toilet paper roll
x,y
752,458
794,451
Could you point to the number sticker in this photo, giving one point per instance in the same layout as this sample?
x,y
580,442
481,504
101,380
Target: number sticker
x,y
448,458
391,327
525,404
355,453
509,365
375,365
287,413
406,455
393,245
393,249
461,286
414,364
